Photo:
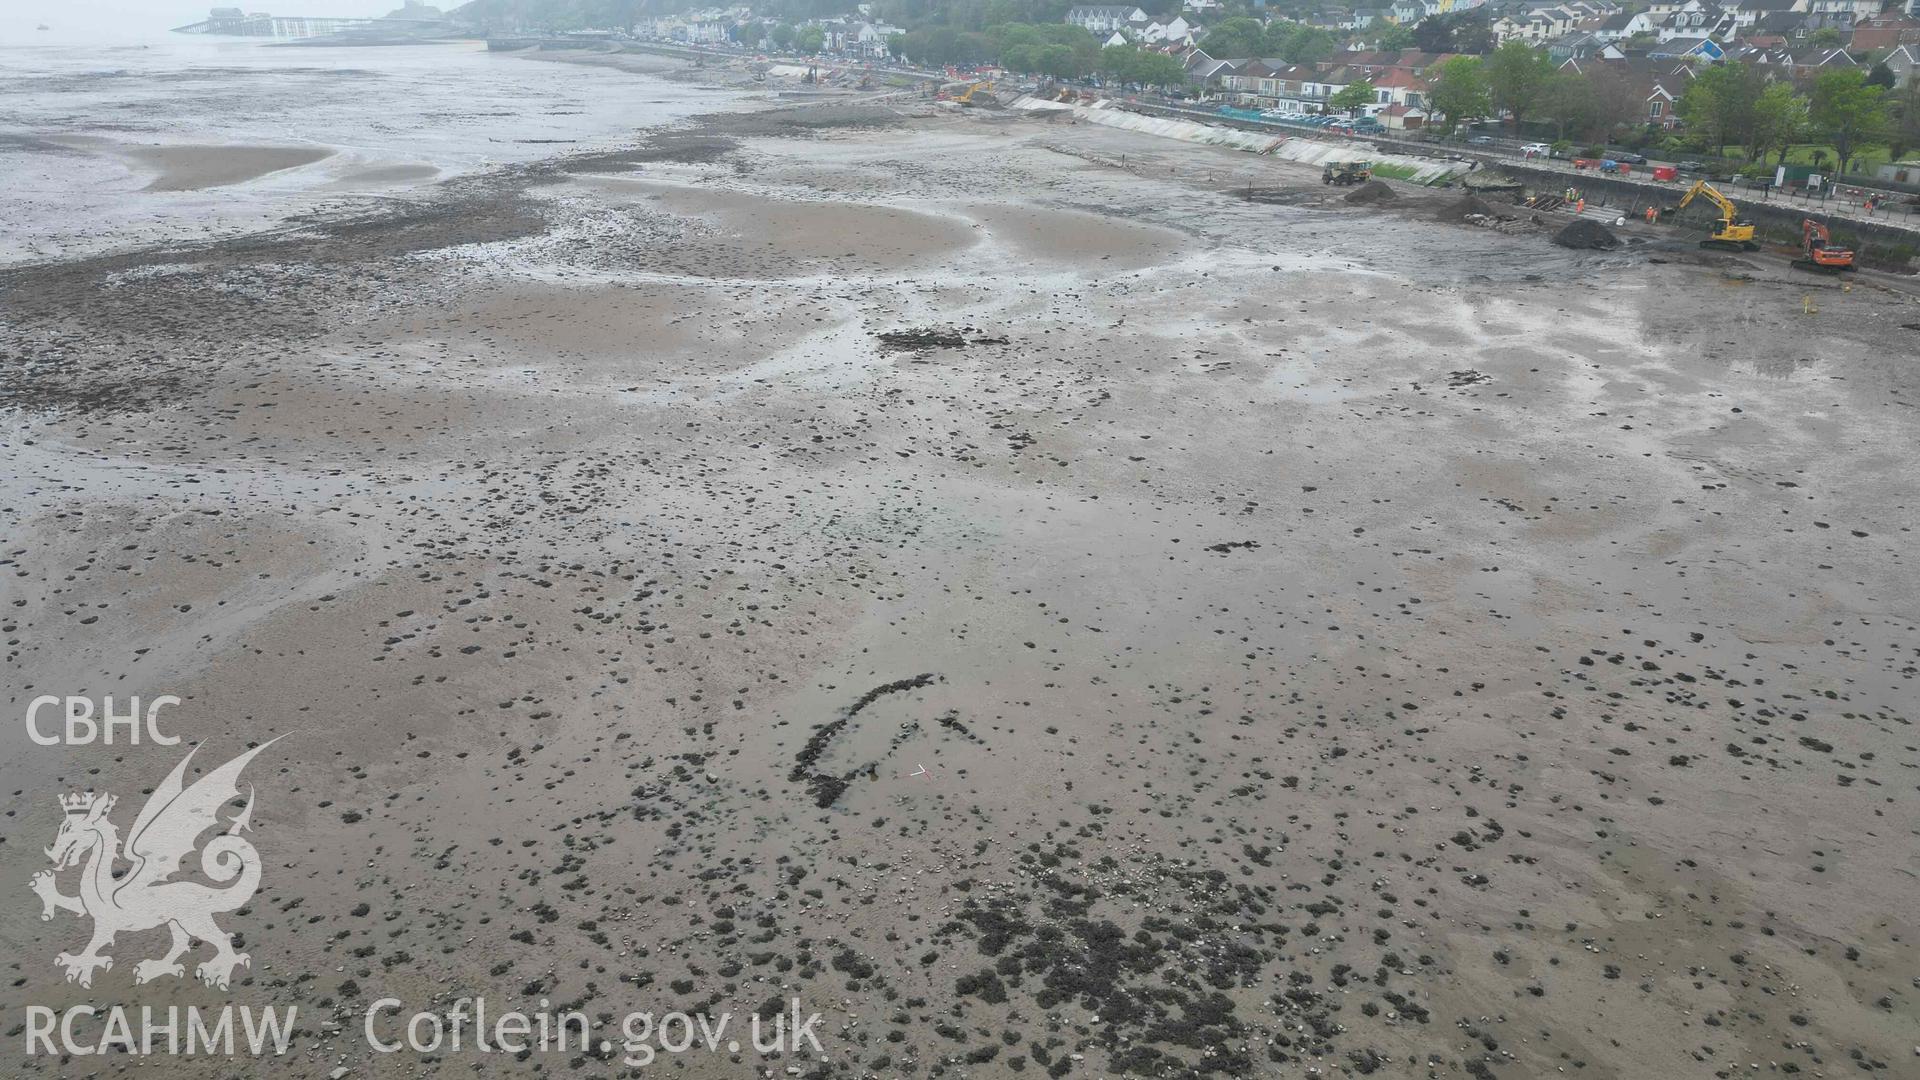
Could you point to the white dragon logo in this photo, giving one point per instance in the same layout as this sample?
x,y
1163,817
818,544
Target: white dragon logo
x,y
166,832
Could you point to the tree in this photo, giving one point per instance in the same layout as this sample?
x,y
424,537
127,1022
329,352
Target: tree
x,y
781,36
1353,97
1779,118
1159,69
811,40
1433,34
1389,37
1274,37
1473,32
1848,111
1882,76
1826,36
962,15
1567,102
1615,102
940,45
1718,103
1126,64
1058,62
1904,133
1298,43
1021,57
1456,32
1235,39
1518,76
750,33
1461,90
1037,48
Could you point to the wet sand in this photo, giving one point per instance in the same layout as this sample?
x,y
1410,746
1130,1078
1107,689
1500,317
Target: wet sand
x,y
1051,618
191,168
383,175
218,120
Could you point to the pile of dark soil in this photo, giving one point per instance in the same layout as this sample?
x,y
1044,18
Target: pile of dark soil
x,y
1371,193
1584,235
1474,204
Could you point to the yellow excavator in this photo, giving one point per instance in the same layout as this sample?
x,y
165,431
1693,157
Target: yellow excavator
x,y
984,92
1732,234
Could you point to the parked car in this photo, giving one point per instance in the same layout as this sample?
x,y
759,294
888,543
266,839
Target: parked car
x,y
1480,140
1536,149
1690,166
1626,158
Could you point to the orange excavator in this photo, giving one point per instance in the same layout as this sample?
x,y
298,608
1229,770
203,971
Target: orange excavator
x,y
1819,252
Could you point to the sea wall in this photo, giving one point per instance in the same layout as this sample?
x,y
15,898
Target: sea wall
x,y
1275,144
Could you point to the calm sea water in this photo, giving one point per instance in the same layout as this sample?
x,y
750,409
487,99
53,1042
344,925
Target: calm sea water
x,y
73,116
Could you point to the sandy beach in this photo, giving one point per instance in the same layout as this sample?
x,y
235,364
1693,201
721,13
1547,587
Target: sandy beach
x,y
1047,617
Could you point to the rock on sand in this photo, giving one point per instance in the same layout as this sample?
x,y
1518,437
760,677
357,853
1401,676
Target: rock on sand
x,y
1369,193
1586,236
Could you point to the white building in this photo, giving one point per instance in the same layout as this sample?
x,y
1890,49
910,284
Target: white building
x,y
1176,32
1104,19
1698,19
1623,25
871,38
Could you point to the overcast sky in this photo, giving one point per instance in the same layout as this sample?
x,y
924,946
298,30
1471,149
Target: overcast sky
x,y
129,20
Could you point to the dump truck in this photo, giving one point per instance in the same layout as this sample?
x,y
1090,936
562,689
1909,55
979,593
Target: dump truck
x,y
1346,172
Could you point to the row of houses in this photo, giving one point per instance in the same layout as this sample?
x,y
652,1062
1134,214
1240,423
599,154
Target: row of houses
x,y
1121,24
1401,85
854,35
1399,82
707,26
1402,88
857,36
1774,32
1133,24
1598,22
1576,29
